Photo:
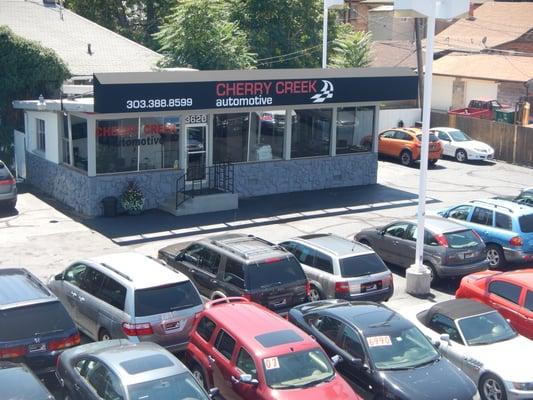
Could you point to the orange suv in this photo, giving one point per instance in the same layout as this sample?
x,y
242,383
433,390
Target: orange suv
x,y
405,143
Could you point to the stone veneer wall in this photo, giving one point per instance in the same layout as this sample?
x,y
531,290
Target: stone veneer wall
x,y
261,178
84,194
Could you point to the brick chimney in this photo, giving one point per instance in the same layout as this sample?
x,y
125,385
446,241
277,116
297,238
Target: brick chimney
x,y
471,11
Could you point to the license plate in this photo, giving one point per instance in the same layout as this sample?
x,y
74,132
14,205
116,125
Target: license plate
x,y
32,348
170,326
369,287
468,255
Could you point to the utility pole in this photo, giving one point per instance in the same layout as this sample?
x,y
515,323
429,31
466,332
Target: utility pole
x,y
419,62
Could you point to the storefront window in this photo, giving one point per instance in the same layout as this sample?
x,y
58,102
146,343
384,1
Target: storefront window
x,y
355,128
311,133
79,142
158,142
230,137
65,141
117,145
267,130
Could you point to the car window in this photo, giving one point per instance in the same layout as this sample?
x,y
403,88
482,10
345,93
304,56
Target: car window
x,y
388,134
205,328
113,293
105,383
462,239
503,221
528,305
74,274
234,273
274,271
330,327
482,216
292,247
79,367
442,324
432,137
92,281
323,262
245,363
526,223
305,254
208,260
398,230
225,344
402,136
505,290
165,299
443,136
460,213
361,265
411,232
351,342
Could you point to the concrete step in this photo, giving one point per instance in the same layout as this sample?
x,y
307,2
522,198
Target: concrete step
x,y
202,204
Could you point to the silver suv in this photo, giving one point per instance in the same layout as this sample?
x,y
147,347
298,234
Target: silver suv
x,y
129,296
338,268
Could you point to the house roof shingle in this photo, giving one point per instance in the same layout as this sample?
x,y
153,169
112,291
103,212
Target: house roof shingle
x,y
69,38
393,53
494,67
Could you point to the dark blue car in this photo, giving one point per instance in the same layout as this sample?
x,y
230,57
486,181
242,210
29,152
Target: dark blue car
x,y
383,355
34,325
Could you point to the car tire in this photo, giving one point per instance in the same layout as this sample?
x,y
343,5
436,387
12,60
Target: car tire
x,y
434,275
491,388
432,163
406,158
199,375
315,294
495,256
104,335
460,155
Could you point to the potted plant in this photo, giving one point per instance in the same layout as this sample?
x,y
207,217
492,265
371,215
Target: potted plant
x,y
132,199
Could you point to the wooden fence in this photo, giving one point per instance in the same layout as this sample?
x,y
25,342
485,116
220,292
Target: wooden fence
x,y
511,143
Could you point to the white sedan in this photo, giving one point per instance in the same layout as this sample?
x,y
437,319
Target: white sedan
x,y
462,147
478,340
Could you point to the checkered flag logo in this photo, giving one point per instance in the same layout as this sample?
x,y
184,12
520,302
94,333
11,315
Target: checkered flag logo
x,y
325,93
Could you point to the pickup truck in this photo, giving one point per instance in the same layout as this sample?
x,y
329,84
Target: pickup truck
x,y
484,109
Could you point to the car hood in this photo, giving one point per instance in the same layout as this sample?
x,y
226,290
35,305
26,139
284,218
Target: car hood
x,y
474,144
446,381
336,389
506,358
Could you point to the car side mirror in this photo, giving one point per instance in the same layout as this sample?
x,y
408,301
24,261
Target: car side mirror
x,y
191,259
436,343
445,338
336,359
58,277
381,232
213,392
180,256
248,379
356,362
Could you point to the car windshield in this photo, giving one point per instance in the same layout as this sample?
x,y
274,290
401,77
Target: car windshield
x,y
462,239
362,265
432,137
485,329
274,272
403,349
25,322
163,299
182,386
298,370
526,223
459,136
525,198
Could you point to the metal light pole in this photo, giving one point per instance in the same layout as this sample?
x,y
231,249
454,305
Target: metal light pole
x,y
418,276
327,5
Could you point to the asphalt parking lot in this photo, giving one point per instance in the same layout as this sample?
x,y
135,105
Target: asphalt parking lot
x,y
44,238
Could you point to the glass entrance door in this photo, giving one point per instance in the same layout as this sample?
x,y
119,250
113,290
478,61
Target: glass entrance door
x,y
196,151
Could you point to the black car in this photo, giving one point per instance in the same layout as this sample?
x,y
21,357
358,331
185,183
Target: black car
x,y
34,325
17,382
241,265
384,356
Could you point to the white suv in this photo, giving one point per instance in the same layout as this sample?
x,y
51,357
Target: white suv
x,y
130,296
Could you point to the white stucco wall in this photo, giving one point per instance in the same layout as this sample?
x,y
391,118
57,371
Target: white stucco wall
x,y
442,92
51,128
480,90
390,118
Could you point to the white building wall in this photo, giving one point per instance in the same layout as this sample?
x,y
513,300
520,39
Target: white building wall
x,y
52,131
442,92
390,118
480,90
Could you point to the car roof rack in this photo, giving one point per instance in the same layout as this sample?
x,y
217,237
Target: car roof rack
x,y
494,205
242,247
226,300
116,271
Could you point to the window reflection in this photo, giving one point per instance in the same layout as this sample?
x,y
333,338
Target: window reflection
x,y
311,132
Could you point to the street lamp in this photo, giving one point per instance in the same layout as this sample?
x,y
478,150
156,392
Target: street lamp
x,y
418,276
327,5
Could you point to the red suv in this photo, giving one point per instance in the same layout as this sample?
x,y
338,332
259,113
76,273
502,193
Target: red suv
x,y
250,353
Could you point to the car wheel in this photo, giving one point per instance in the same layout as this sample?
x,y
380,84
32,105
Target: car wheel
x,y
434,275
406,158
492,388
460,155
495,256
432,163
198,374
104,335
314,294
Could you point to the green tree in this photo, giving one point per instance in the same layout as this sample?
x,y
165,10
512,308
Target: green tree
x,y
26,71
198,33
351,48
284,33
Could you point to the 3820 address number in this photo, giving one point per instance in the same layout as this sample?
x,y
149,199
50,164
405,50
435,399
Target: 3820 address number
x,y
158,103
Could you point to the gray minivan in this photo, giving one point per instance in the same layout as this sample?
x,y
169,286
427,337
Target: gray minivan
x,y
338,268
8,187
130,296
